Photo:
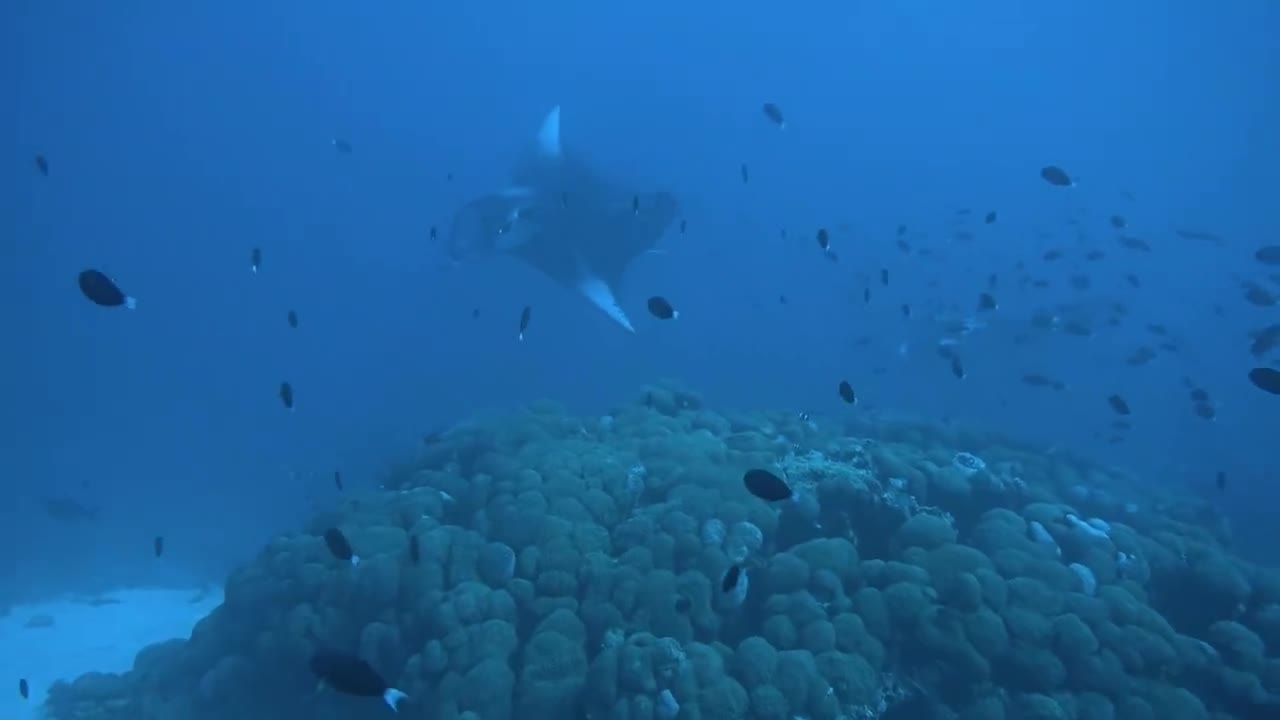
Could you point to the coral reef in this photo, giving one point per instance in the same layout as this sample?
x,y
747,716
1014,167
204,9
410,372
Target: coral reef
x,y
570,568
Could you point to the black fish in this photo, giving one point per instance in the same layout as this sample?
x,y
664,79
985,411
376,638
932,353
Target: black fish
x,y
1133,281
766,486
1204,410
957,368
255,260
866,295
1266,379
1055,175
824,240
990,217
101,290
1268,255
746,175
337,480
23,688
475,313
1118,222
884,276
349,674
782,300
286,394
730,579
774,113
42,165
1118,405
906,310
661,309
635,204
433,234
524,320
684,225
987,302
158,545
902,230
415,552
342,146
1221,481
293,319
846,392
1036,380
338,545
1134,243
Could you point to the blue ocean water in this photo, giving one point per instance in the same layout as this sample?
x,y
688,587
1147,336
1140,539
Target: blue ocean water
x,y
181,136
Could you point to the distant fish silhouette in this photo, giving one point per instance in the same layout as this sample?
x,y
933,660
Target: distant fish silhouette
x,y
69,510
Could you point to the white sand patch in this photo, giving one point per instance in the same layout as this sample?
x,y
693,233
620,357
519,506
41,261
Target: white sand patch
x,y
100,634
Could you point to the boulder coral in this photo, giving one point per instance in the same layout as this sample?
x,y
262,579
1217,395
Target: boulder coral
x,y
572,568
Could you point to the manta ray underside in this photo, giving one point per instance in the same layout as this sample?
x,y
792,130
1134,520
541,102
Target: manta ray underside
x,y
566,221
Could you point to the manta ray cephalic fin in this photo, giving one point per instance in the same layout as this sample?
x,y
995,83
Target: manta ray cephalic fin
x,y
549,134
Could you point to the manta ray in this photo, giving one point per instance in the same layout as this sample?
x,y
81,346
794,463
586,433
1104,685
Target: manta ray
x,y
565,220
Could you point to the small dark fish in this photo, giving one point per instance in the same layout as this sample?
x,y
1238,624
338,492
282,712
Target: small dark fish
x,y
1200,235
730,579
1133,281
957,368
1035,380
1052,255
158,545
1056,176
1204,410
342,146
338,545
866,295
846,392
1118,405
293,319
255,260
524,321
683,604
1199,395
286,394
1268,255
1265,340
475,313
903,245
824,240
782,300
415,551
564,199
990,217
1221,481
1118,222
24,689
42,165
987,302
884,276
350,675
766,486
1095,255
774,113
661,309
906,310
684,225
902,230
1141,356
1134,243
1258,296
1080,282
337,480
433,234
101,290
746,174
635,204
1266,379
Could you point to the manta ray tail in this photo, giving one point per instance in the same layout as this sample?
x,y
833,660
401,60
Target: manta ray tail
x,y
595,289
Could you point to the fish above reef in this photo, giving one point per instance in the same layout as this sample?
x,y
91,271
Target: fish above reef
x,y
64,509
566,221
349,674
